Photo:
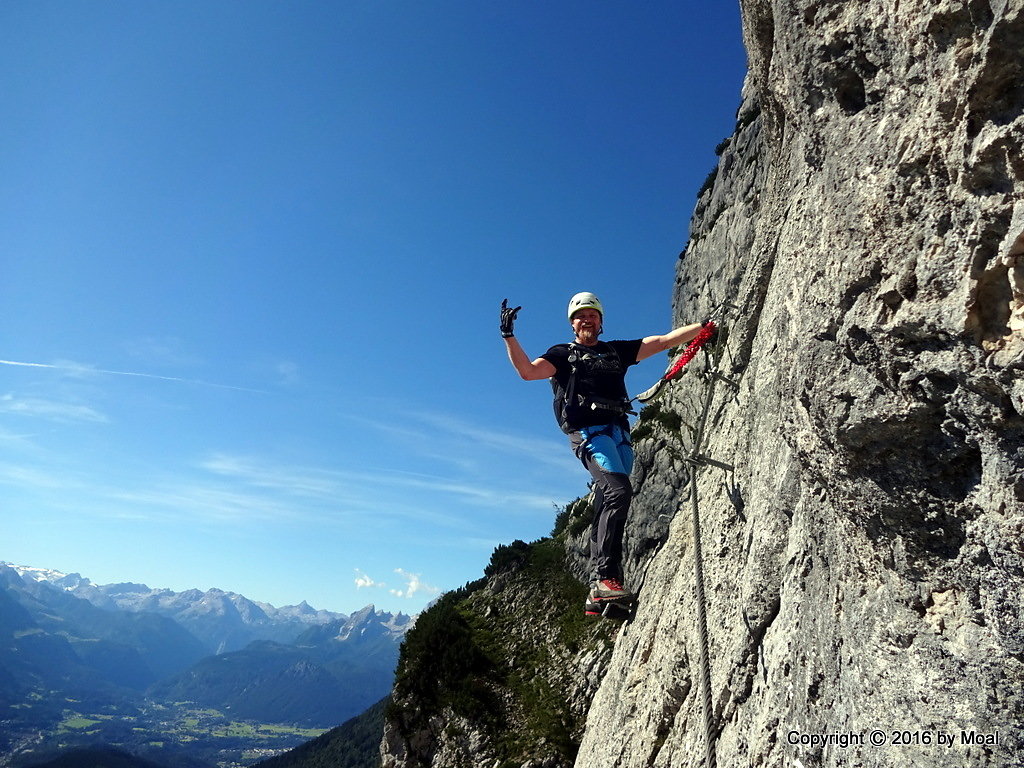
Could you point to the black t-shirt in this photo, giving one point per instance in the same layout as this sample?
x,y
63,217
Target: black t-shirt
x,y
601,375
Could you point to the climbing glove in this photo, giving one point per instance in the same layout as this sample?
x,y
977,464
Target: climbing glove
x,y
508,319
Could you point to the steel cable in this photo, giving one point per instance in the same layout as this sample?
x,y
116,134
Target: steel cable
x,y
696,460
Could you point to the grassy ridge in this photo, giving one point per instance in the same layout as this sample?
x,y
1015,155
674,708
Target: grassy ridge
x,y
497,653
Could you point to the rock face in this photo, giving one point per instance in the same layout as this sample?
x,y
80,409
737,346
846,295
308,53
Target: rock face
x,y
500,673
863,561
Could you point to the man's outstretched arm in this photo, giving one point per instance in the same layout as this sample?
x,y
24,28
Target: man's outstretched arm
x,y
529,370
652,345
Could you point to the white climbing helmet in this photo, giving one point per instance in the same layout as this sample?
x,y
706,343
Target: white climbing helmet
x,y
584,300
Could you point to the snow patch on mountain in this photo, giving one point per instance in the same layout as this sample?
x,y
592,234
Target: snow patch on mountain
x,y
224,621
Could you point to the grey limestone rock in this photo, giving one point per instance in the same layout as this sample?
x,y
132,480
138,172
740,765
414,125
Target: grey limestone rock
x,y
863,561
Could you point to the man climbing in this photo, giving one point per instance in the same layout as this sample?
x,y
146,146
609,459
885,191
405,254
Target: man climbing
x,y
588,378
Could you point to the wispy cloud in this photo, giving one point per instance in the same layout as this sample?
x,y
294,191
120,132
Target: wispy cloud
x,y
217,505
328,493
486,492
455,441
160,350
296,481
50,409
30,477
81,369
250,490
363,581
14,437
542,449
357,487
168,498
414,585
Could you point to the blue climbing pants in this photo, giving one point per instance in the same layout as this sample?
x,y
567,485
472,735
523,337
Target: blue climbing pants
x,y
607,453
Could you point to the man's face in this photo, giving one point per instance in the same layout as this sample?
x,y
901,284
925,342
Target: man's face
x,y
586,322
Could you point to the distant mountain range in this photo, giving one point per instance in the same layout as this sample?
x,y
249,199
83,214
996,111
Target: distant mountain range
x,y
52,641
329,674
112,652
223,621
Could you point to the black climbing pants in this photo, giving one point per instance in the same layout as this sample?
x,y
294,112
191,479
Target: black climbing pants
x,y
607,454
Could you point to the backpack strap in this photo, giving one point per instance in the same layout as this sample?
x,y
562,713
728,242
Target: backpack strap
x,y
569,394
570,398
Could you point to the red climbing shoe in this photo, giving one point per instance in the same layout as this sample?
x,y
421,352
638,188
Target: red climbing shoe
x,y
609,589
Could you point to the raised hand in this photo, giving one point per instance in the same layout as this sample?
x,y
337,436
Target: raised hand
x,y
508,319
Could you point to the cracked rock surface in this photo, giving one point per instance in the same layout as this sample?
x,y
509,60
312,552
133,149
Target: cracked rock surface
x,y
863,562
861,527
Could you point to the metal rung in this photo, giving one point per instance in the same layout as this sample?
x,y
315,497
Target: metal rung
x,y
730,382
701,459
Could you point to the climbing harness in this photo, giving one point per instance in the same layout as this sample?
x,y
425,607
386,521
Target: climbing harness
x,y
621,407
569,403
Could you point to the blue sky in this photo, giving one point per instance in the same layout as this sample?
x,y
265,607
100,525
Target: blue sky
x,y
252,258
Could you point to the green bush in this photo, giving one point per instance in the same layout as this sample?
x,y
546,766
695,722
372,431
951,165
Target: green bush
x,y
442,664
653,414
508,557
561,519
576,516
709,182
477,654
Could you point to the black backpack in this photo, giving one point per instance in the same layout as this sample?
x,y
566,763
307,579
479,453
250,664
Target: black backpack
x,y
572,406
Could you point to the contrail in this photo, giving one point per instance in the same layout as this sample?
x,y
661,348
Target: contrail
x,y
87,369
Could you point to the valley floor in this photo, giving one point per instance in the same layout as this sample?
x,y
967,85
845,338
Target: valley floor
x,y
181,733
